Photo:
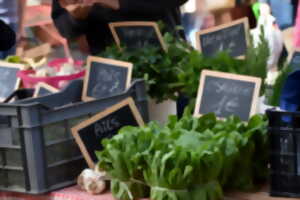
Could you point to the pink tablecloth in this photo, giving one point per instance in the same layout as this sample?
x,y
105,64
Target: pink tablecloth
x,y
71,193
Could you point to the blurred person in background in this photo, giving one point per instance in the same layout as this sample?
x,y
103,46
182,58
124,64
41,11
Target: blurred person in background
x,y
90,18
196,17
11,13
7,37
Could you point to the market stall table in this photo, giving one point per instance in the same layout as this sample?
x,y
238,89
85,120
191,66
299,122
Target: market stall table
x,y
74,193
70,193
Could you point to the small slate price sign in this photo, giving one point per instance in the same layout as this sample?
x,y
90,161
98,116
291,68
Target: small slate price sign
x,y
227,94
43,89
106,78
135,35
9,81
295,60
106,124
231,37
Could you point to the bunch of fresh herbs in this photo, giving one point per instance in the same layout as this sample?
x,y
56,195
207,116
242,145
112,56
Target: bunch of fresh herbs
x,y
177,71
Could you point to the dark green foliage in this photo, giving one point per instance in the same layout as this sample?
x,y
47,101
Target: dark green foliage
x,y
177,71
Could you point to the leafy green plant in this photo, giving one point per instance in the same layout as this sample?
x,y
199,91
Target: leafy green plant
x,y
178,70
188,158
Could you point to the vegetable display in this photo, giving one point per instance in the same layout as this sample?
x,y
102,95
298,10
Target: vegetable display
x,y
191,158
177,71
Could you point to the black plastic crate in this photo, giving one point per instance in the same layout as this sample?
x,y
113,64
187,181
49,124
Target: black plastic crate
x,y
284,131
38,153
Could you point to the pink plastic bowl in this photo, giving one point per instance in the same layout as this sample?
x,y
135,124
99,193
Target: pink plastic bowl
x,y
55,81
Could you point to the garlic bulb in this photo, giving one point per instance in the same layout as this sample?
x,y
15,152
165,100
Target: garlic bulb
x,y
91,181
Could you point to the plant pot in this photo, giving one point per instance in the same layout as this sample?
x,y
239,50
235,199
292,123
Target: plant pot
x,y
160,111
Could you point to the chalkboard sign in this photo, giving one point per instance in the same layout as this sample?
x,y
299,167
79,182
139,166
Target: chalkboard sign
x,y
295,60
9,81
106,78
227,94
231,37
106,124
135,35
43,89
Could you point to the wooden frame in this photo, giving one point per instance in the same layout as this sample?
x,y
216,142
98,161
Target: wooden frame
x,y
113,25
205,73
75,130
117,63
12,65
41,85
223,26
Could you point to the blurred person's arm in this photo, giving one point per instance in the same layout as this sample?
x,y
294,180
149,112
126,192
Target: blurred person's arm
x,y
22,7
69,18
69,15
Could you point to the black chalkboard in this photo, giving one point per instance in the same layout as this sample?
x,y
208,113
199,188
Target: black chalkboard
x,y
8,79
295,61
135,35
227,94
90,133
106,78
229,37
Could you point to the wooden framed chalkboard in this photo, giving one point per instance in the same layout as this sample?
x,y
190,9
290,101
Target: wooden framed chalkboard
x,y
105,78
227,94
44,89
9,81
136,35
232,37
106,124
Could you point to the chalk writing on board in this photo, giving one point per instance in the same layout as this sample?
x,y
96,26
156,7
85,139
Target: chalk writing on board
x,y
230,88
106,78
108,82
230,37
221,36
107,125
138,36
227,94
90,133
227,104
230,100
